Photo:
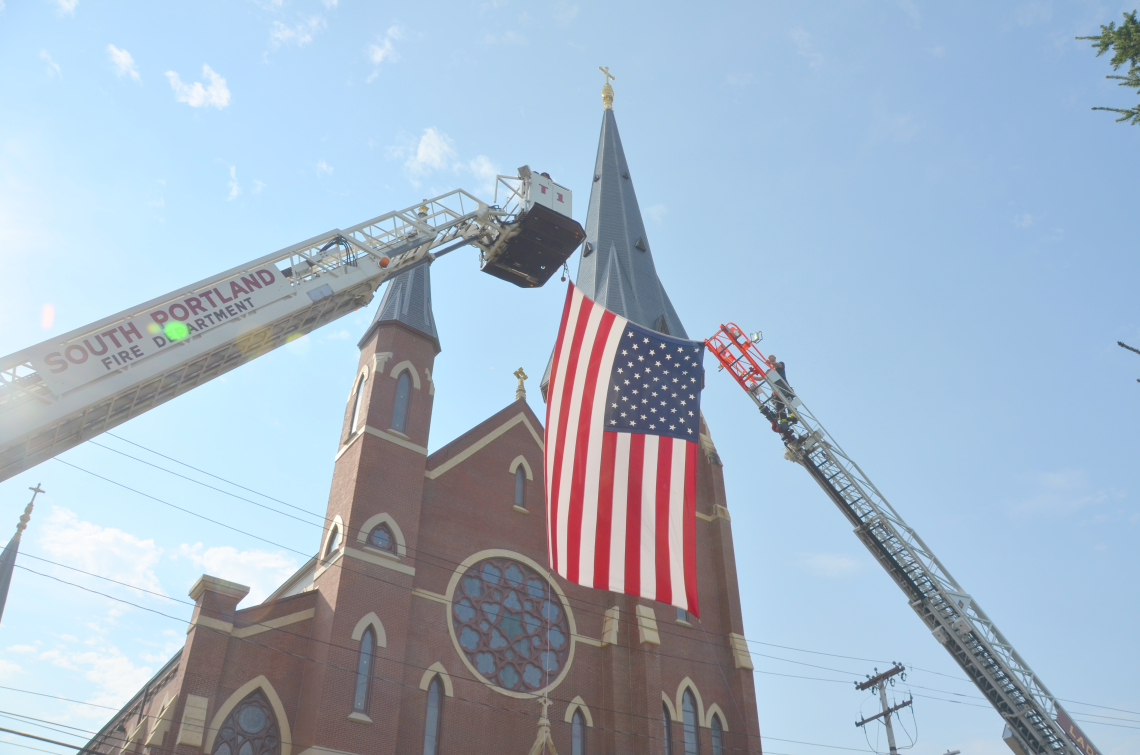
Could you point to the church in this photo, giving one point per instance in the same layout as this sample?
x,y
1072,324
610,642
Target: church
x,y
428,621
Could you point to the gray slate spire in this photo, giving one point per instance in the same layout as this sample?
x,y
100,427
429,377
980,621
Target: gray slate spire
x,y
407,300
616,269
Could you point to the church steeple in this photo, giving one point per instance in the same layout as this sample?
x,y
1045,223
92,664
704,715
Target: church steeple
x,y
407,300
617,268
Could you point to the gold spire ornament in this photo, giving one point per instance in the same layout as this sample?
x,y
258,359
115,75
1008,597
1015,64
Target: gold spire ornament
x,y
520,392
607,90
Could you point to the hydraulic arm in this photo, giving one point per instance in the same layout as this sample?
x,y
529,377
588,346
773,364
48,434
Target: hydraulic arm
x,y
1035,722
73,387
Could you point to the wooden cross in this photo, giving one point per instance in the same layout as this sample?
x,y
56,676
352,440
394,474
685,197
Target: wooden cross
x,y
606,71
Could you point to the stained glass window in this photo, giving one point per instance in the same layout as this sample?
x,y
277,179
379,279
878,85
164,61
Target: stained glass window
x,y
434,716
511,625
717,735
400,409
691,724
334,541
356,405
249,729
578,734
520,486
381,537
364,671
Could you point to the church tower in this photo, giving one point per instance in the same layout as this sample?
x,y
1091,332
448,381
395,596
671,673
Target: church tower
x,y
368,551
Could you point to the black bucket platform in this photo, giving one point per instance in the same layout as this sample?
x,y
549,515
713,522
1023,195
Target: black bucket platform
x,y
545,240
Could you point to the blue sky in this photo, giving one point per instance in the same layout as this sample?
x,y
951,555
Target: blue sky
x,y
912,200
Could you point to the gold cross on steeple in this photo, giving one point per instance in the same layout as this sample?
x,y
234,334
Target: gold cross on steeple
x,y
607,90
520,392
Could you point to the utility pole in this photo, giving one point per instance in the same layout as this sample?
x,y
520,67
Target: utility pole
x,y
880,681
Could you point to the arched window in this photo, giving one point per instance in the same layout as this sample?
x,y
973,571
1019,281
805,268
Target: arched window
x,y
249,729
434,714
578,734
334,542
717,735
668,729
356,405
520,486
400,409
364,671
691,724
381,538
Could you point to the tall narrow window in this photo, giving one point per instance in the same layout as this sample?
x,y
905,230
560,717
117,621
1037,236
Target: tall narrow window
x,y
249,729
578,734
717,735
432,719
520,486
691,724
334,542
668,729
400,409
356,405
364,671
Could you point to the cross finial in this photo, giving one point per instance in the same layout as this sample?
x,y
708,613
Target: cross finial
x,y
27,515
520,392
607,90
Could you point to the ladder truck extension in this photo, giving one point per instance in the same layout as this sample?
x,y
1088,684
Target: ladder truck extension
x,y
72,387
1035,721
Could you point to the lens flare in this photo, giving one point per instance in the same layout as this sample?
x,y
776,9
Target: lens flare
x,y
154,328
175,330
47,316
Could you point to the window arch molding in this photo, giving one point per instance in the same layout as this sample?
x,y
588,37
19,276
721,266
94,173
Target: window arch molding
x,y
520,459
241,693
371,620
687,684
434,670
337,526
714,710
578,704
406,366
669,704
373,522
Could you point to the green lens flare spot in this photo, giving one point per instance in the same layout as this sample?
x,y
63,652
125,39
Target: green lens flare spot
x,y
175,330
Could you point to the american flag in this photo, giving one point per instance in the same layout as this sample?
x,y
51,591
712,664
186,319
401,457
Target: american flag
x,y
622,424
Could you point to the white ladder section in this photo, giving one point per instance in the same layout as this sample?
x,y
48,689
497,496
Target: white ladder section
x,y
73,387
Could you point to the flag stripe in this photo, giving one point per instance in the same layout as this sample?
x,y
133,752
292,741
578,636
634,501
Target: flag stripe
x,y
676,563
648,566
664,592
605,511
620,518
690,524
633,516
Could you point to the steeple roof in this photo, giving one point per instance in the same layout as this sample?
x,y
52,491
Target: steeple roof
x,y
407,300
616,269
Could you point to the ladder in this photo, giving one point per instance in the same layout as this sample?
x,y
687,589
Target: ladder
x,y
59,393
955,619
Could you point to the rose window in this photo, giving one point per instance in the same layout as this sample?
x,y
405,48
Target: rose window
x,y
511,625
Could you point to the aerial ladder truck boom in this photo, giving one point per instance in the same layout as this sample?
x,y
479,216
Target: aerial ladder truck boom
x,y
1035,721
73,387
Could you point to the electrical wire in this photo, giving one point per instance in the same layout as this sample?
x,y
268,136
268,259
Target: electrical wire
x,y
328,521
755,653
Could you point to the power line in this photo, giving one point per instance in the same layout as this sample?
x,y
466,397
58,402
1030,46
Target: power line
x,y
445,560
455,563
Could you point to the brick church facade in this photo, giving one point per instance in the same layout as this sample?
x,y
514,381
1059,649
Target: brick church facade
x,y
428,621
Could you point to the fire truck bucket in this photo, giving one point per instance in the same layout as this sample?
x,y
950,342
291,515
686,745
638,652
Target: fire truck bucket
x,y
545,240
